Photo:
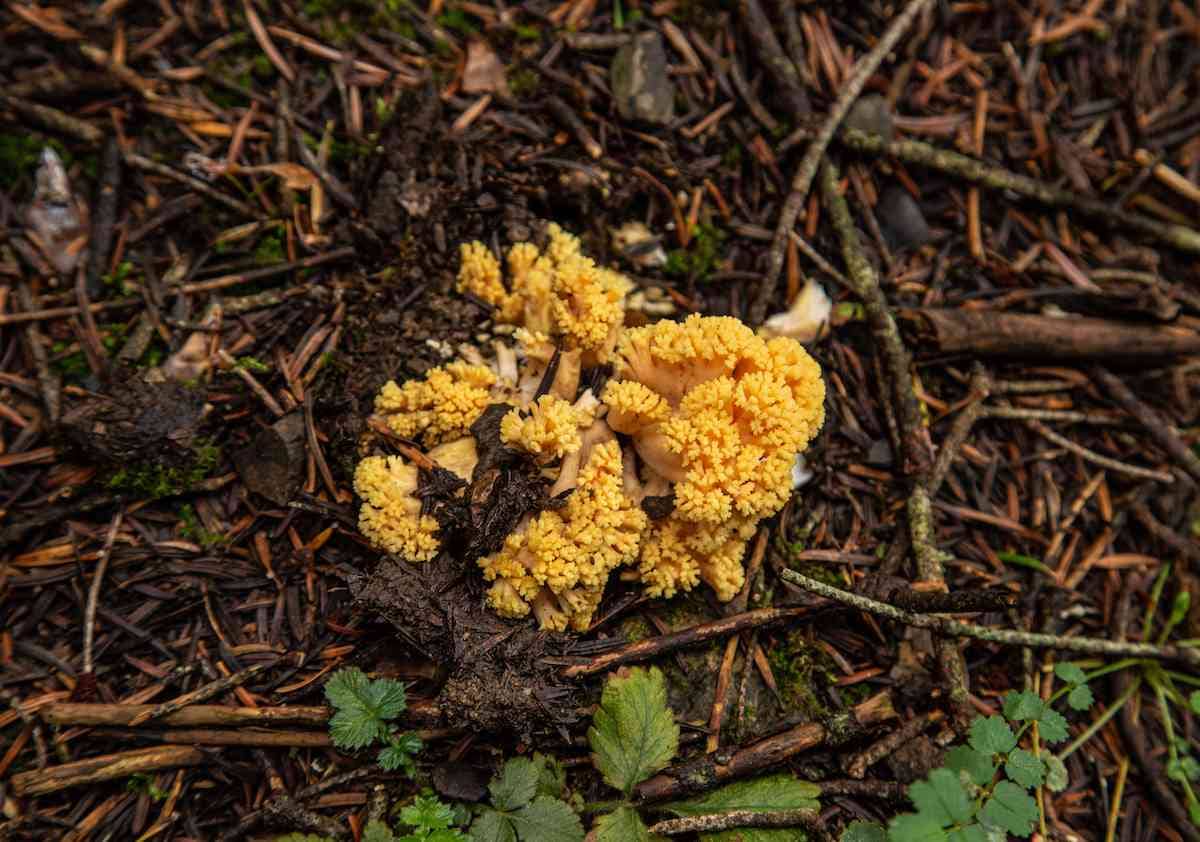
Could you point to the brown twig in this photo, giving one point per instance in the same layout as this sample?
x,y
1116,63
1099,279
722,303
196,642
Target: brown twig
x,y
653,647
712,770
93,597
816,151
714,822
1162,430
207,691
104,768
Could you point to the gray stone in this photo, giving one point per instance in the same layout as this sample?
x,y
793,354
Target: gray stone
x,y
872,115
639,80
900,217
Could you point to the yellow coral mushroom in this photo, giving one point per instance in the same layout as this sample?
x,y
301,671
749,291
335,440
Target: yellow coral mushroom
x,y
558,292
678,554
569,553
440,406
391,516
548,429
391,513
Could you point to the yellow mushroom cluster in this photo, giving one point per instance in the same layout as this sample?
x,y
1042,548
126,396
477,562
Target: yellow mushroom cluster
x,y
704,417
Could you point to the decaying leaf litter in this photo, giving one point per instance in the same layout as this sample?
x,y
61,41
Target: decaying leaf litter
x,y
250,220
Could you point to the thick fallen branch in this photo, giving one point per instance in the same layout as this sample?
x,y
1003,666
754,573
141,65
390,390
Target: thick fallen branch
x,y
954,628
995,333
712,770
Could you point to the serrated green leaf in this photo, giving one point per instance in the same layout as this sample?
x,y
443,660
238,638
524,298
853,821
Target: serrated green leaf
x,y
362,707
623,825
1080,698
552,779
912,827
970,833
516,784
760,795
377,831
980,768
1024,768
399,754
1194,702
991,736
1052,726
448,835
1070,673
633,733
941,798
427,814
490,826
547,820
1023,706
1011,808
860,831
1056,773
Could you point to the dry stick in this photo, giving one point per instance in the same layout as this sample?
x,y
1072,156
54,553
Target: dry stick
x,y
1162,430
777,62
93,598
954,628
144,163
1103,461
816,151
53,119
859,764
702,633
207,691
104,768
997,178
712,770
284,805
980,388
266,272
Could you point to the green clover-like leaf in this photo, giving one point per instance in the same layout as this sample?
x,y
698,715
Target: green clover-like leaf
x,y
1023,706
427,814
1052,726
941,797
980,768
1010,808
991,736
1070,673
760,795
1025,768
1056,773
1080,697
971,833
913,827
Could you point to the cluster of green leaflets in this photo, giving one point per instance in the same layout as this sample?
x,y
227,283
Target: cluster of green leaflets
x,y
363,712
983,791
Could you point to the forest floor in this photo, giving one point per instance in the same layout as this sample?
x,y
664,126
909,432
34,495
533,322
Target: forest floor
x,y
251,221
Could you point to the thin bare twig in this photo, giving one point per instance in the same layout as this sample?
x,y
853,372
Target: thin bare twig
x,y
93,599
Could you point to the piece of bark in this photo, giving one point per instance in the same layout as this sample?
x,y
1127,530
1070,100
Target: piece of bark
x,y
273,464
992,333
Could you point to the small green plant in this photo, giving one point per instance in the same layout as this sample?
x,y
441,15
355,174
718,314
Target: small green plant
x,y
155,480
429,818
143,784
700,258
363,712
983,791
526,805
634,735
